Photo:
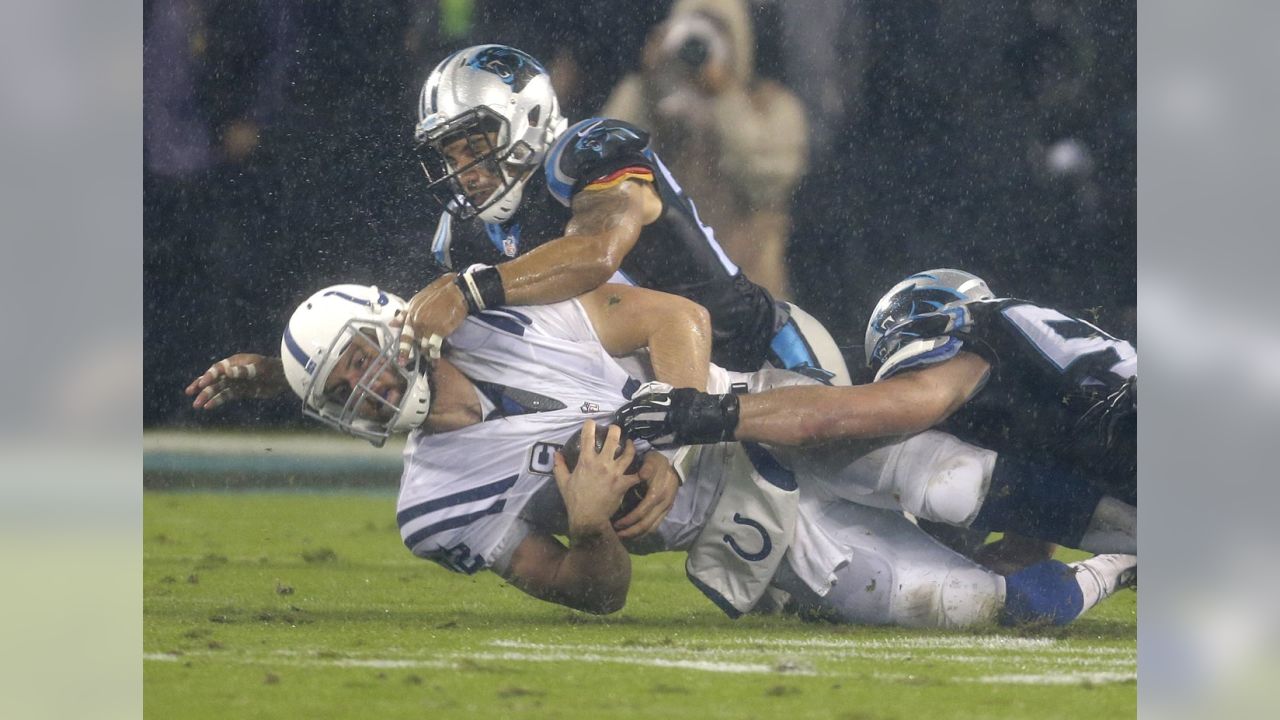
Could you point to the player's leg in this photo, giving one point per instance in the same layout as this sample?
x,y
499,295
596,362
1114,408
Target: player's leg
x,y
937,477
1009,554
1057,593
931,475
891,572
1057,504
888,572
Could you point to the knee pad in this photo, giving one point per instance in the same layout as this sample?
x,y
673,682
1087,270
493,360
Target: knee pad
x,y
940,478
961,596
970,595
955,489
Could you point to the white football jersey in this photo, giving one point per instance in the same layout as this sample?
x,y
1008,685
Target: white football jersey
x,y
468,497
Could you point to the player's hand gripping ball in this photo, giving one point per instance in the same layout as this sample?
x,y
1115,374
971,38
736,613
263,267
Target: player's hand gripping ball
x,y
635,494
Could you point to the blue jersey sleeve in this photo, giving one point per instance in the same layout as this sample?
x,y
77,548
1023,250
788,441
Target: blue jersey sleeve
x,y
596,154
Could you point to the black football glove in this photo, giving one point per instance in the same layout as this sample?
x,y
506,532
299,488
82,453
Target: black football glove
x,y
681,416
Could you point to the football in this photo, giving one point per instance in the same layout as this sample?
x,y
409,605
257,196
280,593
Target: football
x,y
573,448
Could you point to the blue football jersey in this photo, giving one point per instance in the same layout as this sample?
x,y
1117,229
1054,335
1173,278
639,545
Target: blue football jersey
x,y
1060,389
677,253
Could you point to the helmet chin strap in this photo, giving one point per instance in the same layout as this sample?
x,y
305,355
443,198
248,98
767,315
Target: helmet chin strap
x,y
416,404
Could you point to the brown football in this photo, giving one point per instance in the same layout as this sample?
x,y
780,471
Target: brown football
x,y
633,496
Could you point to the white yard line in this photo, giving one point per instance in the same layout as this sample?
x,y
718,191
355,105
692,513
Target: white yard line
x,y
1039,661
907,649
1056,679
987,642
704,665
456,660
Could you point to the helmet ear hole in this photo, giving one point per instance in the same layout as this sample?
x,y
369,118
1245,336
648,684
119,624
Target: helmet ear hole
x,y
535,115
520,152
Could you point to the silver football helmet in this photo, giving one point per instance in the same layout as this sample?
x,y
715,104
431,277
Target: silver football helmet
x,y
926,292
499,101
340,357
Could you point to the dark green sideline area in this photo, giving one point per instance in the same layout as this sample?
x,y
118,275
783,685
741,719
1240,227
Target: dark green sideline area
x,y
212,460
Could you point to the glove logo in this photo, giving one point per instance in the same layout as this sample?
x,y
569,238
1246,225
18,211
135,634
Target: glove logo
x,y
766,545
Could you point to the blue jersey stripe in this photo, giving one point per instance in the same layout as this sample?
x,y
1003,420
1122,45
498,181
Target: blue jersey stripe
x,y
707,231
518,315
442,240
466,496
502,322
791,348
769,467
715,597
456,521
514,315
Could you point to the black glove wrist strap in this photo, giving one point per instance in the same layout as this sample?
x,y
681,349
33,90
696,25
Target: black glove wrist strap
x,y
699,417
481,287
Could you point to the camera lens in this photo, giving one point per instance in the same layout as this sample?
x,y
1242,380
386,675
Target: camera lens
x,y
693,52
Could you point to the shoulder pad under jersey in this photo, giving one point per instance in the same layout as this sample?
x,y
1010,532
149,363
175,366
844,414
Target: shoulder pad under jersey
x,y
597,153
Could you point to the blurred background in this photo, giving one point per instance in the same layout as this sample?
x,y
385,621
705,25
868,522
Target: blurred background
x,y
836,147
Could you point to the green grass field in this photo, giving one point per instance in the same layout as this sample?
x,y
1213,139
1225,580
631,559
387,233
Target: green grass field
x,y
306,605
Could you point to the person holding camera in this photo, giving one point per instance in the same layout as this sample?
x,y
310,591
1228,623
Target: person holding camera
x,y
737,142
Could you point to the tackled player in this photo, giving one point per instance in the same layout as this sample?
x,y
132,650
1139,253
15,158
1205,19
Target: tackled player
x,y
484,486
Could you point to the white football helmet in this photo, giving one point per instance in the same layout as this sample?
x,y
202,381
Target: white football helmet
x,y
477,93
926,292
348,326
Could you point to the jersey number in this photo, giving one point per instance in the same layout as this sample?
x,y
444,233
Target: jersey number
x,y
459,559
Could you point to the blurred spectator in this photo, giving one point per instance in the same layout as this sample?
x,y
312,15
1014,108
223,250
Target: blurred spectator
x,y
822,50
216,77
737,142
215,74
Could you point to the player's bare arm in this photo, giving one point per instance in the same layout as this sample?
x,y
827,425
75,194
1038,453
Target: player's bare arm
x,y
901,405
604,227
676,331
811,414
593,574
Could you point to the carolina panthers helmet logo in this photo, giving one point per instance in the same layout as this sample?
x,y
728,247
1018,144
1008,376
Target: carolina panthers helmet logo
x,y
597,137
513,67
895,323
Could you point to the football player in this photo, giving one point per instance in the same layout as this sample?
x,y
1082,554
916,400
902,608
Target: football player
x,y
1053,394
486,487
538,211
